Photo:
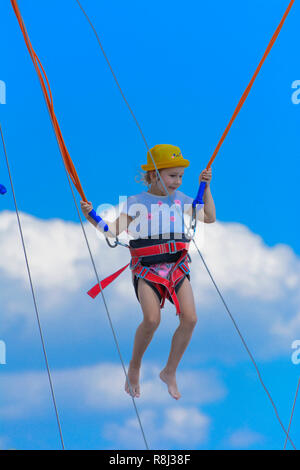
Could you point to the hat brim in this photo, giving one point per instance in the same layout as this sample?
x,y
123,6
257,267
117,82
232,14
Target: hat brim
x,y
181,163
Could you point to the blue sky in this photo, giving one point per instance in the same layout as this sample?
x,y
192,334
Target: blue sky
x,y
183,69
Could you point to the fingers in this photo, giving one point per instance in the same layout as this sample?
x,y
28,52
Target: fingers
x,y
206,175
85,204
86,207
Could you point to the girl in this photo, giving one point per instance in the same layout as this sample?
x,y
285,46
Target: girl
x,y
159,256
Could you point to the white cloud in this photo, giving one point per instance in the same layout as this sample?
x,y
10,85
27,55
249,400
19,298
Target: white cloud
x,y
284,327
241,262
198,387
23,394
260,284
55,251
186,426
244,439
99,388
174,426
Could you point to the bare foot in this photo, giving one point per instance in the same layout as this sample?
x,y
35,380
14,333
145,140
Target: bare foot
x,y
133,377
170,380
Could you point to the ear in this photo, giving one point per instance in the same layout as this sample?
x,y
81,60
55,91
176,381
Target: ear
x,y
153,178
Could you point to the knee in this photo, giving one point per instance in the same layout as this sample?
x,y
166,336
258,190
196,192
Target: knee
x,y
189,321
151,324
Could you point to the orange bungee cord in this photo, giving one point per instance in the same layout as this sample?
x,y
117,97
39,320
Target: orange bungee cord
x,y
199,197
71,169
63,149
49,101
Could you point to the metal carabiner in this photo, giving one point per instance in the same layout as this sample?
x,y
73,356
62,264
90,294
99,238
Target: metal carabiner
x,y
116,242
194,220
193,224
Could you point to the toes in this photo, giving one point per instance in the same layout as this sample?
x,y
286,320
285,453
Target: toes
x,y
133,391
128,389
171,383
132,385
175,394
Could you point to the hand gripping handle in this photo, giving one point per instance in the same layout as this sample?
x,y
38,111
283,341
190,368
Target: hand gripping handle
x,y
101,224
199,197
3,189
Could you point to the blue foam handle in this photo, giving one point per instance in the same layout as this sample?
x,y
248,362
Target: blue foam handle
x,y
98,219
199,197
3,189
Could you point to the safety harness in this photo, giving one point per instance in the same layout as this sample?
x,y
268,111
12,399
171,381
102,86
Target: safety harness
x,y
166,287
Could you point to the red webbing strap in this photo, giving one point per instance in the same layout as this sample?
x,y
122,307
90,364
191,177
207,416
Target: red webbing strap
x,y
151,277
149,250
161,249
49,101
176,275
94,291
247,91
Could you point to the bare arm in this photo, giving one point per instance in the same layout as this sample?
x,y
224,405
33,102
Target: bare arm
x,y
115,228
120,224
209,206
208,213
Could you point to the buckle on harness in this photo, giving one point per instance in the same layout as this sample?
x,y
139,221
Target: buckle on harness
x,y
143,272
134,262
172,247
184,267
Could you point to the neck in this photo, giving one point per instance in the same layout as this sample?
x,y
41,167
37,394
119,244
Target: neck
x,y
154,189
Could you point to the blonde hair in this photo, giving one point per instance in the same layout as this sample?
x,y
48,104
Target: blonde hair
x,y
145,178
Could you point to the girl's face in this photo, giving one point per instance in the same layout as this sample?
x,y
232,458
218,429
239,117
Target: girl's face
x,y
172,178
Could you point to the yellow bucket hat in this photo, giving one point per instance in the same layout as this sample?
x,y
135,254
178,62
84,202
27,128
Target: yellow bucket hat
x,y
165,156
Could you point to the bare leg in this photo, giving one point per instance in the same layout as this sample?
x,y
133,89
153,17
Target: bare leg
x,y
181,338
144,334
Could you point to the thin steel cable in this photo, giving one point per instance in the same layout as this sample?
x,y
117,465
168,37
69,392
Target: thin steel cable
x,y
33,55
292,413
112,71
127,104
246,346
158,174
108,315
33,294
